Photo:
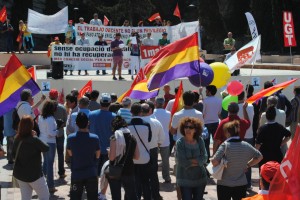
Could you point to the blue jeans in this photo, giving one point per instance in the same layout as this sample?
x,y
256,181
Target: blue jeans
x,y
128,183
60,154
192,193
249,171
48,164
212,128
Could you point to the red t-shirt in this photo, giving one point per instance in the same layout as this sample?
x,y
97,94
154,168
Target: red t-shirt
x,y
167,98
244,125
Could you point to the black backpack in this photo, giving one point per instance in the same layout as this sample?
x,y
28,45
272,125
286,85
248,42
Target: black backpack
x,y
16,118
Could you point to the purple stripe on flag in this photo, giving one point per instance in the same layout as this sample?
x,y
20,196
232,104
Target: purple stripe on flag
x,y
137,94
178,71
12,101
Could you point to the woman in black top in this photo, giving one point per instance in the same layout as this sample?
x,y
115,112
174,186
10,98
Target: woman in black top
x,y
28,161
270,137
123,149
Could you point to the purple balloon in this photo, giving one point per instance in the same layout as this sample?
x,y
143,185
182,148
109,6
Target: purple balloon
x,y
204,78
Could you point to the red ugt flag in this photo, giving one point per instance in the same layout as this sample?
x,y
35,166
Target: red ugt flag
x,y
87,88
286,182
3,14
288,30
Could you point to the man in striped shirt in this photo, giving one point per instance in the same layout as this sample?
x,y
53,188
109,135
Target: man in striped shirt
x,y
125,111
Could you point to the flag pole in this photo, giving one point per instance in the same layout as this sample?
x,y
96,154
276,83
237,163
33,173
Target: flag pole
x,y
291,55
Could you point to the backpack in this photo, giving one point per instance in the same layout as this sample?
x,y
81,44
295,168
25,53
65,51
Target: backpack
x,y
16,118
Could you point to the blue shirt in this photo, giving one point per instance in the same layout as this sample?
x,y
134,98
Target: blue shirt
x,y
100,124
8,130
74,116
83,146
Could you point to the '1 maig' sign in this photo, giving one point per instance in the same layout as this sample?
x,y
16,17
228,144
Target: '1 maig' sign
x,y
288,30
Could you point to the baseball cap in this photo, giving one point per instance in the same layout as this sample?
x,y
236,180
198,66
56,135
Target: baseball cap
x,y
164,33
53,94
126,101
105,98
268,170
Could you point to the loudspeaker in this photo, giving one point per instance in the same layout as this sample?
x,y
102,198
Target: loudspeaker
x,y
57,70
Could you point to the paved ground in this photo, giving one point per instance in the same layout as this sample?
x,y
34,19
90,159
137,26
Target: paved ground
x,y
167,190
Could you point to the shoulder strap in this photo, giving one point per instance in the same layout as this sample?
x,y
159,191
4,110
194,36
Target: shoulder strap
x,y
141,139
17,152
128,150
20,106
225,148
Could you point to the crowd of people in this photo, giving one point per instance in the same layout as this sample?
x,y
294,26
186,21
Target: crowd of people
x,y
101,135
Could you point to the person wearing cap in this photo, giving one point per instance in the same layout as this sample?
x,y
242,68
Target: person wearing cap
x,y
125,111
148,40
101,42
81,20
117,56
164,117
271,137
240,156
83,106
83,41
94,105
60,114
100,124
96,21
233,110
164,40
70,30
267,173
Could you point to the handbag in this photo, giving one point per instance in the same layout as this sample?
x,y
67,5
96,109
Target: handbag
x,y
14,181
217,171
114,171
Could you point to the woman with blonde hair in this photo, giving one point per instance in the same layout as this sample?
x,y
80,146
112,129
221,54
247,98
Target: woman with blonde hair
x,y
26,152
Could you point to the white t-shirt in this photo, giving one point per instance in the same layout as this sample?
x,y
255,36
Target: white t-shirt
x,y
250,111
212,106
184,113
164,117
96,22
280,118
148,41
158,135
170,105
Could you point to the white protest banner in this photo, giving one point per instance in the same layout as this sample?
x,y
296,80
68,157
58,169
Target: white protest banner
x,y
48,24
252,25
174,32
246,55
77,57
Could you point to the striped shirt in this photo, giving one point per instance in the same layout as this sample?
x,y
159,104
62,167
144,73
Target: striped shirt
x,y
125,114
238,154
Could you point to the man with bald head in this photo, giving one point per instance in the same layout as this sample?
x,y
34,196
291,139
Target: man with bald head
x,y
228,43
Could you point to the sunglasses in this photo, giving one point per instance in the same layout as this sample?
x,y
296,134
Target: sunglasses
x,y
189,127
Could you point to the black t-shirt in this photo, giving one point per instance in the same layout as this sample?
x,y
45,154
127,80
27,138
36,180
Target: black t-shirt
x,y
128,169
270,136
28,164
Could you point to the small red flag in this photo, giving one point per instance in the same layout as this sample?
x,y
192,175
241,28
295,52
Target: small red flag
x,y
105,21
178,103
87,88
286,182
3,14
32,72
177,12
61,97
154,16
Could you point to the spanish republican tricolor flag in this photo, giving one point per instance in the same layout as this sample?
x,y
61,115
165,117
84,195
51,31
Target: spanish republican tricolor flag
x,y
176,60
14,78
